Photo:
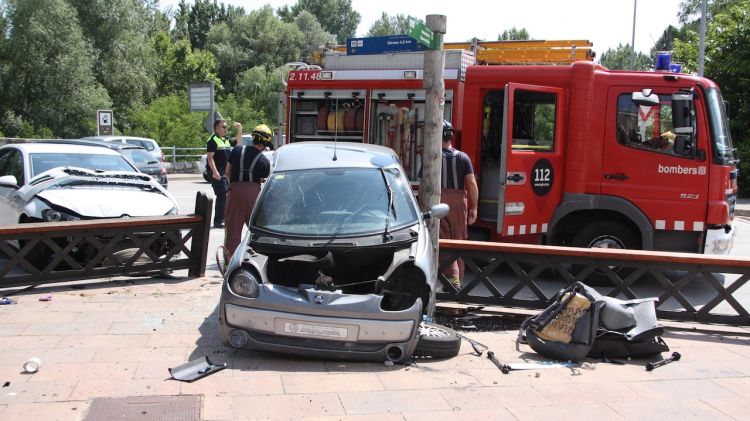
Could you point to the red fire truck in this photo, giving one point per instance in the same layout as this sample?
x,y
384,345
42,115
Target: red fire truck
x,y
565,155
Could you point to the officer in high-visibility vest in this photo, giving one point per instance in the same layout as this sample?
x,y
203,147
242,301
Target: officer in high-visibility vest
x,y
217,150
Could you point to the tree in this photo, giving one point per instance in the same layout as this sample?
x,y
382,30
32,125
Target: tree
x,y
514,34
335,16
202,16
178,65
314,35
389,25
118,31
666,41
620,57
260,86
51,81
257,39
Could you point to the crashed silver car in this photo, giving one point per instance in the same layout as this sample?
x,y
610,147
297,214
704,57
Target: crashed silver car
x,y
48,182
337,261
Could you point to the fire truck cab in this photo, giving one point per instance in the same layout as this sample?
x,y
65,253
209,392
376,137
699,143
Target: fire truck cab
x,y
572,155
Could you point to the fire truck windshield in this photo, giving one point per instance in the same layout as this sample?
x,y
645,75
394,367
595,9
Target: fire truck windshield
x,y
721,138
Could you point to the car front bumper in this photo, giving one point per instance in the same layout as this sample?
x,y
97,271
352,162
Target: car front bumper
x,y
719,241
343,327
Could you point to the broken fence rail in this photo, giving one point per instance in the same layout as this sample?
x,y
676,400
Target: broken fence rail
x,y
690,287
187,235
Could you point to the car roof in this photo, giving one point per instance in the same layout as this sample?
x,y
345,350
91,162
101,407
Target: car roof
x,y
90,142
314,155
112,137
56,147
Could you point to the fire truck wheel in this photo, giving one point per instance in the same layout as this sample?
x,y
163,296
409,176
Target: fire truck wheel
x,y
609,235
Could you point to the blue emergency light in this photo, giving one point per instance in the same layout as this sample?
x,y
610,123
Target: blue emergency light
x,y
675,68
663,61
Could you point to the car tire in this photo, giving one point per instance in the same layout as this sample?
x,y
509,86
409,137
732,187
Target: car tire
x,y
121,257
437,341
605,234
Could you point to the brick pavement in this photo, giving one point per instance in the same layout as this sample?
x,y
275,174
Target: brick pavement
x,y
118,338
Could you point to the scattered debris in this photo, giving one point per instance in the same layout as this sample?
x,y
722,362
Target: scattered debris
x,y
478,347
46,298
6,384
195,369
388,363
675,357
32,365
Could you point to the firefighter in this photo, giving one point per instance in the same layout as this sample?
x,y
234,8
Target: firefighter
x,y
247,168
217,151
457,182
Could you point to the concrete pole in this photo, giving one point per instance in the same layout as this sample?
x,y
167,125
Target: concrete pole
x,y
702,49
434,85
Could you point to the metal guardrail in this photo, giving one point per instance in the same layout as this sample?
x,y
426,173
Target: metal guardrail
x,y
187,237
690,287
174,153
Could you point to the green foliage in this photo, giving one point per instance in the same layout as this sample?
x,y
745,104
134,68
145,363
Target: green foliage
x,y
313,33
514,34
168,121
178,65
118,32
335,16
621,58
389,25
49,80
259,87
257,39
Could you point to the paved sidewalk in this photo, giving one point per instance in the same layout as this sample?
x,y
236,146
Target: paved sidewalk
x,y
118,338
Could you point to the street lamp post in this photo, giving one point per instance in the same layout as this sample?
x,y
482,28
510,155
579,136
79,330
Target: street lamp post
x,y
632,40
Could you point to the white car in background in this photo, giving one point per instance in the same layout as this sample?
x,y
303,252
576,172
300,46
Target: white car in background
x,y
149,144
48,182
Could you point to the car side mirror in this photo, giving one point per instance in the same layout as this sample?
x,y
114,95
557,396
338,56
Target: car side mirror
x,y
645,98
438,211
9,181
683,145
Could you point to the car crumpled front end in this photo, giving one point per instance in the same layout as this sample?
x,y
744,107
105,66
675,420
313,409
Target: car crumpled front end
x,y
350,303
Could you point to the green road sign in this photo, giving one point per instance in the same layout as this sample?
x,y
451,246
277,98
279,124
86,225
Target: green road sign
x,y
421,33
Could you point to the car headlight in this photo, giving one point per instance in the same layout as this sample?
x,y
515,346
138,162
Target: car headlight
x,y
51,215
243,283
173,211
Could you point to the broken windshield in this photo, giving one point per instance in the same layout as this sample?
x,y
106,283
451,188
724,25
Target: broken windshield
x,y
341,202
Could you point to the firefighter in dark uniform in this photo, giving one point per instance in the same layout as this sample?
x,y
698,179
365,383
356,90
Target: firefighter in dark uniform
x,y
247,168
217,150
457,181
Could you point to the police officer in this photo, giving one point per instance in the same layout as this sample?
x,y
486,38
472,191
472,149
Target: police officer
x,y
217,150
457,181
247,168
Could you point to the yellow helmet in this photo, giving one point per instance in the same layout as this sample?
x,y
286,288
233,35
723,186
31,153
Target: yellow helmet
x,y
262,133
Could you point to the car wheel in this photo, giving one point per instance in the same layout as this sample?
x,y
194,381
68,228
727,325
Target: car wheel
x,y
608,235
119,258
437,341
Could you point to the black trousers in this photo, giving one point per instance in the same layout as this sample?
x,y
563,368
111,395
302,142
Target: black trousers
x,y
220,190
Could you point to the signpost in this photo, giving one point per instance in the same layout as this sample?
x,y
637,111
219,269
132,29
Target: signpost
x,y
201,98
104,123
419,31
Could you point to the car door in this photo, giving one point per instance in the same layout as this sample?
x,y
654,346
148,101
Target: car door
x,y
11,163
531,161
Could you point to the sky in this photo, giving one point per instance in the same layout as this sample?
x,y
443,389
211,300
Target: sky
x,y
606,23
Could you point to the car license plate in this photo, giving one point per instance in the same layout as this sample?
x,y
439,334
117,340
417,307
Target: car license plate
x,y
306,329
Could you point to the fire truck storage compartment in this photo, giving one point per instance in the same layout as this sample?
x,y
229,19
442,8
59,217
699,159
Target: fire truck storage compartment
x,y
397,121
327,115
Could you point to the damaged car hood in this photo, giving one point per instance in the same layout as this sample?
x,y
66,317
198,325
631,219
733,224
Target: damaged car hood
x,y
100,194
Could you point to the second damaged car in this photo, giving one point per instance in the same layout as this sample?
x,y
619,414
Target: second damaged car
x,y
337,261
47,182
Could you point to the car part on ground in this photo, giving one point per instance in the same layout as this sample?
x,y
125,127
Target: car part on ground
x,y
438,341
195,369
